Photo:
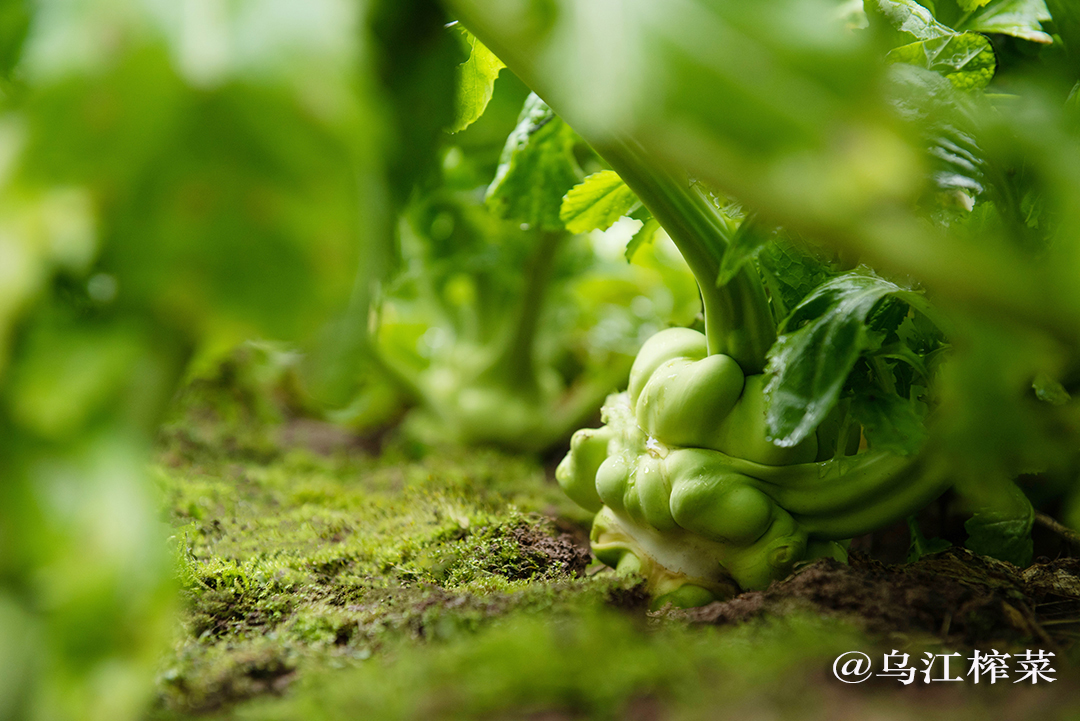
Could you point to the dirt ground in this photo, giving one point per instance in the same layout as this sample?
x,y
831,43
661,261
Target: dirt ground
x,y
326,576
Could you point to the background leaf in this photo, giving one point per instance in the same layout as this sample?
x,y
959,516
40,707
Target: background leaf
x,y
475,83
14,24
745,244
1001,523
889,422
1018,18
827,333
966,59
644,235
536,170
910,17
596,203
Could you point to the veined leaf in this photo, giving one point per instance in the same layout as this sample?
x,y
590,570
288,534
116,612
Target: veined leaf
x,y
747,242
475,83
597,202
1018,18
909,16
889,422
1001,524
966,59
957,161
790,273
536,169
826,335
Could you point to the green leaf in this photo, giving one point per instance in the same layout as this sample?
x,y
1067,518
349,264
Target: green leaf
x,y
1000,536
1002,517
67,372
827,334
596,203
416,57
1006,539
910,17
920,544
890,423
475,83
536,170
1066,16
1018,18
971,5
14,24
967,59
745,246
943,118
790,274
645,234
1050,391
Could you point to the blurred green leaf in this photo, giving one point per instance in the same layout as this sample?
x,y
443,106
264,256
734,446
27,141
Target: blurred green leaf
x,y
921,545
1066,17
67,373
14,24
1001,524
229,211
597,202
475,83
1049,390
536,170
415,62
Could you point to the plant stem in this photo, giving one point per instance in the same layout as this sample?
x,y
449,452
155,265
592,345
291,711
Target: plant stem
x,y
515,364
1071,537
738,320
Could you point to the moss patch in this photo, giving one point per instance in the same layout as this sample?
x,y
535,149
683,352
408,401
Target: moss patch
x,y
327,576
291,560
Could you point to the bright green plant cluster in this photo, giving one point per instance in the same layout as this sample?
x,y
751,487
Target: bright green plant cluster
x,y
691,494
733,454
168,189
502,326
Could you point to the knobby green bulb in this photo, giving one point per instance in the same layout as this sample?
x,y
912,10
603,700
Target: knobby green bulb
x,y
690,493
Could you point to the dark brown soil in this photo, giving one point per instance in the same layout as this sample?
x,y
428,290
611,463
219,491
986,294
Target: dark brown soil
x,y
559,553
955,596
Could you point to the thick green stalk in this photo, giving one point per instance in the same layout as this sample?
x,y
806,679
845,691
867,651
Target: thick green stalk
x,y
738,321
848,497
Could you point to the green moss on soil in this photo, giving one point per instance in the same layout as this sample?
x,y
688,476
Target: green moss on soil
x,y
330,577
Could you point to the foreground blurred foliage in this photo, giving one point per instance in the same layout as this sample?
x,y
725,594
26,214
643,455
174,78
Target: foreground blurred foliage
x,y
935,142
175,179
